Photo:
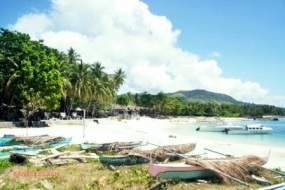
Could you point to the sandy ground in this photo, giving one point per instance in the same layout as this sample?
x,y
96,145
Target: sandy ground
x,y
149,130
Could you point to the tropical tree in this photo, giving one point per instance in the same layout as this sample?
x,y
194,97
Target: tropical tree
x,y
119,78
31,72
72,56
123,100
80,79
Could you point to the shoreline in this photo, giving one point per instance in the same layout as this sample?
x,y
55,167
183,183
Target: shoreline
x,y
155,131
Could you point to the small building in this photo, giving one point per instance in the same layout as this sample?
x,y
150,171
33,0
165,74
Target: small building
x,y
126,110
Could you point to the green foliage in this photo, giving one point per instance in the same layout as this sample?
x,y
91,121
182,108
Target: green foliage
x,y
138,175
71,147
173,105
92,143
35,76
31,73
4,164
204,96
123,100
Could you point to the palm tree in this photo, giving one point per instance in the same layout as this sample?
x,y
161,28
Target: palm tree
x,y
67,86
80,79
101,84
119,78
72,55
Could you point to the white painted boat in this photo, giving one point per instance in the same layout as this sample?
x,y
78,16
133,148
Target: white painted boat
x,y
219,127
250,129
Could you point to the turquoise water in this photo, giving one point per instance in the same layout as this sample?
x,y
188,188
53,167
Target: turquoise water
x,y
276,138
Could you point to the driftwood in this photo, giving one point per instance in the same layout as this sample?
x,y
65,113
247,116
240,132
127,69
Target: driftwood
x,y
61,158
54,156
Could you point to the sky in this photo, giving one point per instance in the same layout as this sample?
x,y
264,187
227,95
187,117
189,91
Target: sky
x,y
230,47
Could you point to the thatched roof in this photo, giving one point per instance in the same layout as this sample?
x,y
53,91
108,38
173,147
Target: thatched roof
x,y
160,153
36,140
235,167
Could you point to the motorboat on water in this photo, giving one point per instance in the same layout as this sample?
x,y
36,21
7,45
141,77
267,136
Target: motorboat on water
x,y
250,129
229,128
221,126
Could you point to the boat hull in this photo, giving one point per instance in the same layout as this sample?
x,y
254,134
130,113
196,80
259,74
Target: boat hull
x,y
220,128
112,146
251,129
123,160
187,174
179,170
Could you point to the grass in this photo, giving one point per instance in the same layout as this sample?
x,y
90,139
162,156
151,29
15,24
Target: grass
x,y
95,176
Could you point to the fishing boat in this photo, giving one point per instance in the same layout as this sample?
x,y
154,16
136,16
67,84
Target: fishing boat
x,y
37,140
179,171
119,160
250,129
220,126
161,153
63,141
5,138
193,169
112,146
33,150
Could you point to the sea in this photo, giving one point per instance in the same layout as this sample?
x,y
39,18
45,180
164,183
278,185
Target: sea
x,y
276,138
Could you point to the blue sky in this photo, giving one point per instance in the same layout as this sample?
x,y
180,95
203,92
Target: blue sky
x,y
249,35
232,47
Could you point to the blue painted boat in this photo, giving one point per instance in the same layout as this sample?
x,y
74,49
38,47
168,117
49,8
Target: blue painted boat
x,y
119,160
32,140
6,138
112,146
27,150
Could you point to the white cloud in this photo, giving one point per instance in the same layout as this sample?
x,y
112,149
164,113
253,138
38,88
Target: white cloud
x,y
215,54
124,33
33,24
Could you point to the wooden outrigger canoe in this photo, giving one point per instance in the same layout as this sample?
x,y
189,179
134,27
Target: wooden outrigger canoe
x,y
179,170
193,169
36,140
162,153
112,146
33,150
5,138
119,160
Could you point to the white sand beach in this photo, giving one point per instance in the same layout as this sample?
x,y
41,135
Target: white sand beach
x,y
150,130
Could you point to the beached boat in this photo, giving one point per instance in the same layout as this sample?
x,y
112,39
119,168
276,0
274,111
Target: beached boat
x,y
112,146
66,140
119,160
220,126
36,140
32,150
179,171
250,129
193,169
161,153
6,138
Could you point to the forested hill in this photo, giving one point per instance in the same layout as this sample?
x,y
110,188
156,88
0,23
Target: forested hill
x,y
204,96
